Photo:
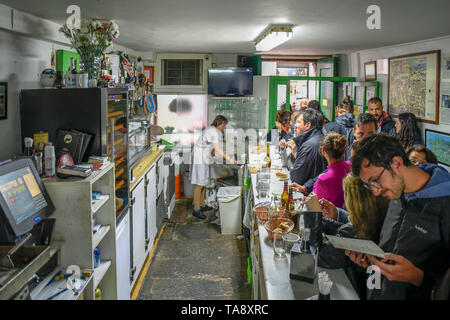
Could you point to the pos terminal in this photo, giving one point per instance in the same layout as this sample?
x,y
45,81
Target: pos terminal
x,y
24,230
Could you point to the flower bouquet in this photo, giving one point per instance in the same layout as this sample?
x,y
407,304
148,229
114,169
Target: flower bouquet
x,y
90,41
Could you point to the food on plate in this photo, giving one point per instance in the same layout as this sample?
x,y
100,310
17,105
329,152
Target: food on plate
x,y
284,226
278,230
281,175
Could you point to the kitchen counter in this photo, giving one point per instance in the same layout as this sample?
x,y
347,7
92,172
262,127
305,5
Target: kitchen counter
x,y
143,164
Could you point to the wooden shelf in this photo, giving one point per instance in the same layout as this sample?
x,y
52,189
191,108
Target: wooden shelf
x,y
98,203
100,272
98,237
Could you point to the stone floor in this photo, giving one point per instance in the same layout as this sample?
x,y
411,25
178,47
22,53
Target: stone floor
x,y
194,261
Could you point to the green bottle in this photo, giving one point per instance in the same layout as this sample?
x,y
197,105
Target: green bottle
x,y
98,294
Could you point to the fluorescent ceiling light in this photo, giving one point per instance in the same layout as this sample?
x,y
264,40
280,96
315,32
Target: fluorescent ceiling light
x,y
273,37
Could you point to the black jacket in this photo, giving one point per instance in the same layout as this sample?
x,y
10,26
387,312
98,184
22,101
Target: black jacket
x,y
343,125
308,162
417,227
388,126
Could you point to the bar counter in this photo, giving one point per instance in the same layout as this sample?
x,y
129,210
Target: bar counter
x,y
271,275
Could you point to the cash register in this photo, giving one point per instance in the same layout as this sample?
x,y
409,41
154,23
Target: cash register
x,y
25,229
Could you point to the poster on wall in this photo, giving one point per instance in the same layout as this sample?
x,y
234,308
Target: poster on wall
x,y
446,67
444,115
359,96
414,85
370,93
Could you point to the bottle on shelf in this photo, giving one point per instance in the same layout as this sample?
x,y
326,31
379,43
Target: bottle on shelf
x,y
285,197
53,59
73,66
50,160
70,78
28,146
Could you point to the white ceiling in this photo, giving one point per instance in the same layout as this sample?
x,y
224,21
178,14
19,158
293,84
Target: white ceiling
x,y
231,26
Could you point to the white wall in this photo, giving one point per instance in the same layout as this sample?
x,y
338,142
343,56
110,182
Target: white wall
x,y
25,49
359,58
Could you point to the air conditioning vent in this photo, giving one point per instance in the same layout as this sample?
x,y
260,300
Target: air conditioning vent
x,y
182,72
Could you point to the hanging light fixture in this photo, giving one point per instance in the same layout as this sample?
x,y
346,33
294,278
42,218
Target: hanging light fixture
x,y
273,36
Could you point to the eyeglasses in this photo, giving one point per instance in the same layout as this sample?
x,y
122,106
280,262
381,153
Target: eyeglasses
x,y
374,184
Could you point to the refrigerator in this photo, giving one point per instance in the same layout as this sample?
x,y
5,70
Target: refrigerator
x,y
101,112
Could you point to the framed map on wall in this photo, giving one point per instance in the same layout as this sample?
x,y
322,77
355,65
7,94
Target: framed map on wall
x,y
413,85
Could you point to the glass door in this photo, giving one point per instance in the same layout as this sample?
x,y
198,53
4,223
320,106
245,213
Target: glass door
x,y
118,146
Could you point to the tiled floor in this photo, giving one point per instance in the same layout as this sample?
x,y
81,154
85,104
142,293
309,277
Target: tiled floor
x,y
194,261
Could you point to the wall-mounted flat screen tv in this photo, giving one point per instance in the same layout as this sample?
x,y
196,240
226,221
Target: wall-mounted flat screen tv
x,y
230,81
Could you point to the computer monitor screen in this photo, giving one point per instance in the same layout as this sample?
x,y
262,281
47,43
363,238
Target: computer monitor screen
x,y
23,199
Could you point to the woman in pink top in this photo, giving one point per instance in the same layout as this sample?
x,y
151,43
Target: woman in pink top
x,y
329,185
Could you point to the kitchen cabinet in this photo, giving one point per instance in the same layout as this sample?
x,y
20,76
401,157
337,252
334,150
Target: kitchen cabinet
x,y
137,197
123,258
160,176
150,189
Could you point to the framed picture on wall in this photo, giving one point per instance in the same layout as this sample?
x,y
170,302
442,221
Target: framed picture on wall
x,y
3,100
149,72
413,85
370,71
439,144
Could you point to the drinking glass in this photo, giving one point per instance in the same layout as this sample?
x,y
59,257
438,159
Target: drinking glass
x,y
263,188
279,245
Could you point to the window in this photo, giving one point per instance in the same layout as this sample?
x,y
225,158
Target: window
x,y
182,72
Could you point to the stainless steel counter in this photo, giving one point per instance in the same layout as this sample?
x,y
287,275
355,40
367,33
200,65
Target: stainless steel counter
x,y
279,286
272,275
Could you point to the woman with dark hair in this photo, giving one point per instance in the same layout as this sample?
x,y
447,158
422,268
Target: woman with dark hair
x,y
283,127
420,155
329,185
344,120
206,146
407,130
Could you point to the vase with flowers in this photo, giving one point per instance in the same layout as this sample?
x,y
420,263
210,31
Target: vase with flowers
x,y
91,40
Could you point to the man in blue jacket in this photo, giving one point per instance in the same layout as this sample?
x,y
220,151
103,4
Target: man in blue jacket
x,y
416,231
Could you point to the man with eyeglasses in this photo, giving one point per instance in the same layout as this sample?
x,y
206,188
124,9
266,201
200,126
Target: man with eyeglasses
x,y
416,231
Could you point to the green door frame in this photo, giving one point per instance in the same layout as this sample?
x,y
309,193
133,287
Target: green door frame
x,y
274,81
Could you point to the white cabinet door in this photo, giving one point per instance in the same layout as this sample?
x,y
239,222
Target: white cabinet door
x,y
151,207
138,227
123,258
160,176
